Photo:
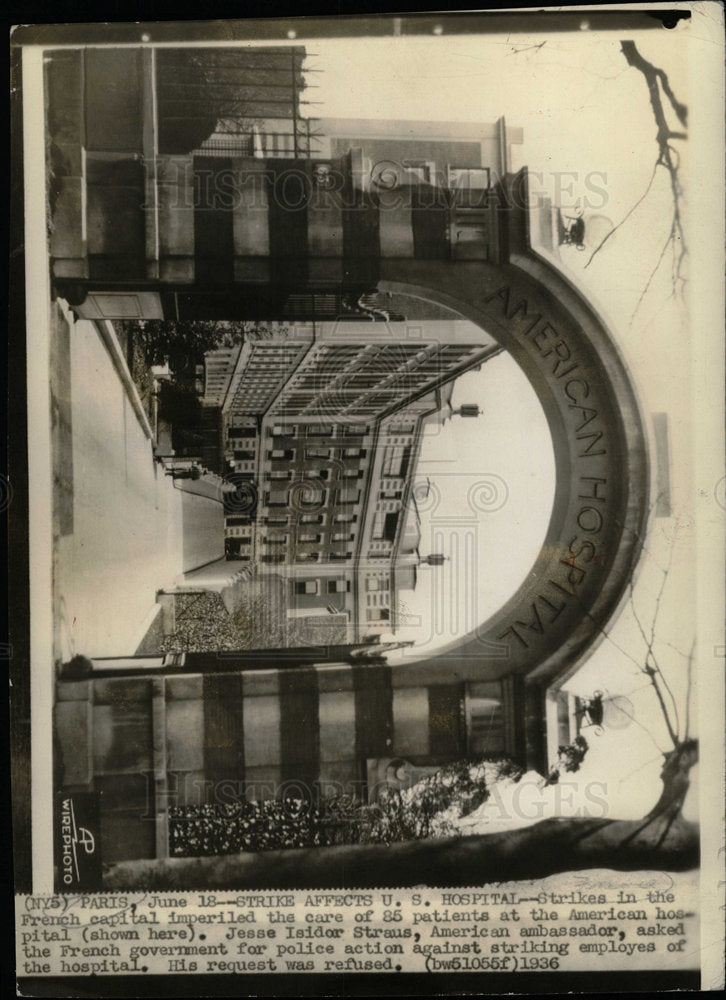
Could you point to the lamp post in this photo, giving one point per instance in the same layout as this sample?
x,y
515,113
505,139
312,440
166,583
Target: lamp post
x,y
467,410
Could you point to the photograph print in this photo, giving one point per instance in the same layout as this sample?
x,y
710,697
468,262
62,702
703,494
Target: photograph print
x,y
363,488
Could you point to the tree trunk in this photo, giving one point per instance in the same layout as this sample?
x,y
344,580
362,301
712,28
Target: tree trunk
x,y
662,840
676,779
554,845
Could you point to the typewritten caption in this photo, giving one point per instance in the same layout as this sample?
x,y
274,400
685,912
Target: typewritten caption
x,y
568,923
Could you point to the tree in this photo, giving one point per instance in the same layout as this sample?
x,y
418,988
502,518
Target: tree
x,y
682,752
202,91
663,102
183,344
554,845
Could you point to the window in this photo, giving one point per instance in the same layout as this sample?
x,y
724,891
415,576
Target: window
x,y
340,556
320,430
275,540
342,536
395,461
312,519
279,520
282,430
390,526
345,518
308,536
288,453
377,614
352,474
277,498
356,430
306,587
372,583
469,185
379,524
307,556
338,586
392,462
280,474
310,495
354,452
348,496
419,172
317,453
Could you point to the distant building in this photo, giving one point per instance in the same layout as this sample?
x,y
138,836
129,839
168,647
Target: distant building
x,y
323,428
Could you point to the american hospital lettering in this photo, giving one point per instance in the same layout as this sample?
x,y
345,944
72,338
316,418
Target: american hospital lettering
x,y
547,607
550,344
581,553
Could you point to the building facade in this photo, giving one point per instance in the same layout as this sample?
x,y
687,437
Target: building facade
x,y
189,206
153,733
324,425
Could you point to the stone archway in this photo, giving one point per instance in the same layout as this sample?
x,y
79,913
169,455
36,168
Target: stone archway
x,y
601,496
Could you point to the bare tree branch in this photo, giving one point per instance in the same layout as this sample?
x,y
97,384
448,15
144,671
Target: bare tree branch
x,y
654,621
526,48
622,222
658,87
653,273
653,76
661,97
689,683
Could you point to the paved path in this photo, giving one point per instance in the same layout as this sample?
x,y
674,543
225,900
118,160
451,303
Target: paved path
x,y
122,530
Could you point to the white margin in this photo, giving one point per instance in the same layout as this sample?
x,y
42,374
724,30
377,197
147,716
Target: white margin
x,y
40,473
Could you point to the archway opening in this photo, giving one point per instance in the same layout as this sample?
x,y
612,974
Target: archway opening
x,y
485,491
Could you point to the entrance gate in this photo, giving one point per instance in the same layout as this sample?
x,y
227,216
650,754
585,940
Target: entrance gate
x,y
324,229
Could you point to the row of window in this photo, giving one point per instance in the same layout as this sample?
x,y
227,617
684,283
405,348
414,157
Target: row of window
x,y
305,557
425,172
249,431
327,453
242,533
283,520
317,430
307,537
318,557
377,601
311,496
285,475
339,586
